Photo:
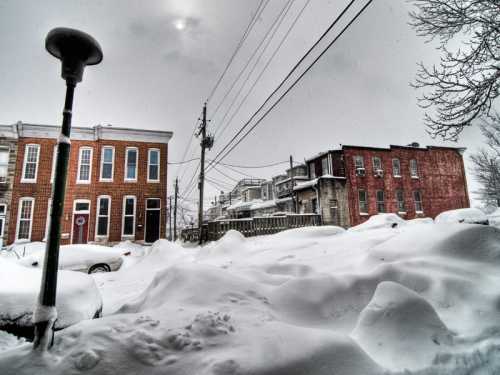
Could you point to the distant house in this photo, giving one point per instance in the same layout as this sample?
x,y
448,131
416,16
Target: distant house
x,y
349,185
116,184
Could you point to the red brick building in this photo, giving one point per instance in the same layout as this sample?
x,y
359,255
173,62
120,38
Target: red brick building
x,y
350,184
116,184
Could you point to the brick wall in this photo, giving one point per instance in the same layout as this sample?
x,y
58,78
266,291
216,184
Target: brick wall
x,y
441,181
117,189
6,188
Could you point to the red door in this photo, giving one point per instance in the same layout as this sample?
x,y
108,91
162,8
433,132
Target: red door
x,y
80,228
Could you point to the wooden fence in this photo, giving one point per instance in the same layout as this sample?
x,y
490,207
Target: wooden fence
x,y
249,227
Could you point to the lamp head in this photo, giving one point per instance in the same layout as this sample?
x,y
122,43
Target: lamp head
x,y
75,49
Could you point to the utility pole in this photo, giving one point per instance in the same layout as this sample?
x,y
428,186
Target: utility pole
x,y
175,208
206,142
294,203
170,218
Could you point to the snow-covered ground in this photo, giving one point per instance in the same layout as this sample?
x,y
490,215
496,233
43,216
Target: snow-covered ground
x,y
388,299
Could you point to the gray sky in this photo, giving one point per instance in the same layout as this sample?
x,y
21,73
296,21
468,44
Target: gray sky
x,y
162,58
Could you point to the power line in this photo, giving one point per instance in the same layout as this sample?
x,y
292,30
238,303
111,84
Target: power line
x,y
256,166
292,25
295,82
182,162
237,171
225,175
238,46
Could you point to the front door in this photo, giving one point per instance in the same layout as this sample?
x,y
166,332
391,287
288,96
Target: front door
x,y
81,214
152,220
80,228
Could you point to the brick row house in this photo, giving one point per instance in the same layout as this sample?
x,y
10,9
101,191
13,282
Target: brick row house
x,y
116,185
349,185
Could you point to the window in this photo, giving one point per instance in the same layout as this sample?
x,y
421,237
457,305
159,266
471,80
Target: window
x,y
84,165
363,207
103,209
128,216
359,162
47,220
53,170
417,197
3,210
153,165
4,164
377,164
324,166
82,206
413,168
30,164
25,218
380,201
131,164
401,201
107,163
396,168
312,170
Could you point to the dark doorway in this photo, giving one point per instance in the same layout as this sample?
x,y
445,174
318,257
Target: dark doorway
x,y
152,220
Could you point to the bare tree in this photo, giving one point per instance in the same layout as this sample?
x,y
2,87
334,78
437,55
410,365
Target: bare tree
x,y
486,164
466,82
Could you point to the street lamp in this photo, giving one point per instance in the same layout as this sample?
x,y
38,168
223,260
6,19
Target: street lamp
x,y
75,49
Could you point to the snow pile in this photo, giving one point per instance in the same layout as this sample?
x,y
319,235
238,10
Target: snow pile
x,y
419,299
462,215
77,296
380,221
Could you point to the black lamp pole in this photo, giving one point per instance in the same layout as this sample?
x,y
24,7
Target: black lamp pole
x,y
75,49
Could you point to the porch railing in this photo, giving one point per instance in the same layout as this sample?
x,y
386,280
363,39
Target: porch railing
x,y
250,227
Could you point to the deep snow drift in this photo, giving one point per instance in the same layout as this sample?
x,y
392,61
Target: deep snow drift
x,y
409,299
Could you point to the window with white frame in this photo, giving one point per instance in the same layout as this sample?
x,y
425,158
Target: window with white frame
x,y
4,164
153,165
25,218
53,170
380,201
103,210
363,206
84,165
128,228
47,221
30,164
400,200
3,210
417,197
131,164
107,163
377,163
396,168
413,168
324,166
359,162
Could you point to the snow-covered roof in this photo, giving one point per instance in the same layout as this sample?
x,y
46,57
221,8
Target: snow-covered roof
x,y
263,204
314,182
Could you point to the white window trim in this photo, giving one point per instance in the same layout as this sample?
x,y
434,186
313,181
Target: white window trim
x,y
97,216
149,158
30,180
123,216
136,164
4,148
421,202
19,206
101,179
359,157
366,203
415,176
53,170
145,214
80,151
399,167
49,204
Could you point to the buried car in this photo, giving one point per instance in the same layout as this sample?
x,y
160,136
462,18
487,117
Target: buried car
x,y
77,298
83,258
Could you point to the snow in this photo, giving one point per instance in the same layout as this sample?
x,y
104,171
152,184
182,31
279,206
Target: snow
x,y
77,295
77,257
410,299
379,221
462,215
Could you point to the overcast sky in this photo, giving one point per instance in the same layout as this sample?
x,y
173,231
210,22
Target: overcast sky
x,y
162,58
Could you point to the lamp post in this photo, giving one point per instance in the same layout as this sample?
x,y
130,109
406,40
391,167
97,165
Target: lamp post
x,y
75,49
